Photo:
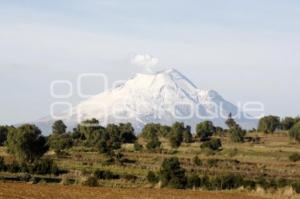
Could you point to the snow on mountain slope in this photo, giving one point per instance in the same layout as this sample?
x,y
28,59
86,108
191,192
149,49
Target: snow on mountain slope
x,y
163,97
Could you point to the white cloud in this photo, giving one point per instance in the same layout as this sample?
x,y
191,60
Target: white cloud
x,y
145,60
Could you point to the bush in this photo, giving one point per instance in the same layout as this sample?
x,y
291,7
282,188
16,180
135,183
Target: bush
x,y
172,175
2,164
45,166
91,182
153,143
3,134
13,167
59,142
214,144
187,136
231,181
294,157
294,132
237,134
205,130
296,187
105,175
178,131
152,177
193,181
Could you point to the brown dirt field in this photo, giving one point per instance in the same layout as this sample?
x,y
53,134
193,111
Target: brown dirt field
x,y
28,191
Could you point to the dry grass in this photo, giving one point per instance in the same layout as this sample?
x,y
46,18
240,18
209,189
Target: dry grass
x,y
27,191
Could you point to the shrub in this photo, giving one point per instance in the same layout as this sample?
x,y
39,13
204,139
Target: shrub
x,y
172,175
45,166
187,136
294,157
3,134
153,143
152,177
214,144
231,181
174,141
296,187
294,132
91,182
13,167
105,175
193,181
178,133
237,134
2,164
127,133
59,142
205,130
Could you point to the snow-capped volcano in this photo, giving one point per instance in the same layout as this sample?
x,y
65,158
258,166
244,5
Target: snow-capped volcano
x,y
163,97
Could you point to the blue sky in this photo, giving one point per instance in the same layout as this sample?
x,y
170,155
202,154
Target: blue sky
x,y
246,50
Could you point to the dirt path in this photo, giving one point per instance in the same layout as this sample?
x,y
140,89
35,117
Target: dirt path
x,y
27,191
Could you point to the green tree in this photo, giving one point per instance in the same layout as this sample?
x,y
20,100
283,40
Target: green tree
x,y
287,123
26,143
150,134
269,124
59,127
91,131
237,134
153,143
187,135
172,175
60,142
230,122
176,136
294,132
205,130
150,130
193,181
3,134
164,131
127,133
152,177
114,134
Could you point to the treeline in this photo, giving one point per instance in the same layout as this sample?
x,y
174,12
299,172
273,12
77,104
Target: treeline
x,y
28,144
271,123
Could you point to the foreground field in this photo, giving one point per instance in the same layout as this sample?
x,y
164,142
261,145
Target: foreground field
x,y
20,190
